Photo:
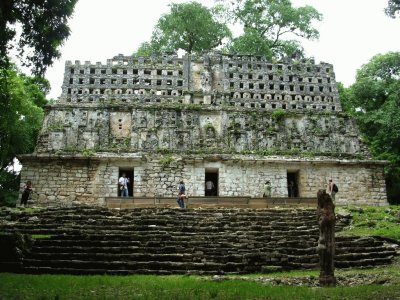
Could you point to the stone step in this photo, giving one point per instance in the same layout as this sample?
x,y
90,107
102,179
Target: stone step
x,y
301,266
144,257
124,247
154,230
358,243
107,256
346,258
80,271
139,267
355,249
363,262
162,246
75,210
155,247
178,234
365,255
221,216
308,259
188,218
209,202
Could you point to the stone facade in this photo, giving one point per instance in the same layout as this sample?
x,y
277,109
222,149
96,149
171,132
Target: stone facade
x,y
237,120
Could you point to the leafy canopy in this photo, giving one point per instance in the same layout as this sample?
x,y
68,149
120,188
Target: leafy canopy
x,y
393,8
43,26
146,49
21,116
35,30
267,27
374,99
268,23
190,26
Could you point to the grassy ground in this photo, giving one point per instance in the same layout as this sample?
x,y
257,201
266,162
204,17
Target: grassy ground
x,y
368,221
13,286
373,220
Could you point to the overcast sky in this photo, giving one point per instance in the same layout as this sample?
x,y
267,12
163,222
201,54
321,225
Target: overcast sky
x,y
351,32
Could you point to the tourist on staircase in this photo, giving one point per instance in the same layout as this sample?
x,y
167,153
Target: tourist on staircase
x,y
26,194
181,194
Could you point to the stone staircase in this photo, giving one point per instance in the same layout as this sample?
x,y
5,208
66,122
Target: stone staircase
x,y
210,202
93,240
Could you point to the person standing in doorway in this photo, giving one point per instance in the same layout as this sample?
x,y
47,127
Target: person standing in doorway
x,y
209,188
291,189
123,185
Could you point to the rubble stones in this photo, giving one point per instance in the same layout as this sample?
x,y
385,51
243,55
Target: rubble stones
x,y
311,281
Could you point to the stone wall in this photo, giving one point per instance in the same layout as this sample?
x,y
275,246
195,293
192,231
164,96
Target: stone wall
x,y
70,181
217,79
71,129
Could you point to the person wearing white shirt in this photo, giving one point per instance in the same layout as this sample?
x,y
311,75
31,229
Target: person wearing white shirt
x,y
123,185
209,188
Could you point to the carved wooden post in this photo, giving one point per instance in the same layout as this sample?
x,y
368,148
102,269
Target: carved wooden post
x,y
326,242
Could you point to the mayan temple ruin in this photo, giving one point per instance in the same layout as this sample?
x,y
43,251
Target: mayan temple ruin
x,y
234,119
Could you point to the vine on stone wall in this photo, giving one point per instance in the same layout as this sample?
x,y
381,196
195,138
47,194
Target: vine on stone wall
x,y
166,161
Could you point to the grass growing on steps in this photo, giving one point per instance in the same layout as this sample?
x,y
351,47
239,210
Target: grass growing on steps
x,y
373,220
16,286
41,236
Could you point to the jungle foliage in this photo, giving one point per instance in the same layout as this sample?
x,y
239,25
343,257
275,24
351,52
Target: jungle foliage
x,y
270,28
393,8
266,26
189,26
43,26
35,31
374,100
21,116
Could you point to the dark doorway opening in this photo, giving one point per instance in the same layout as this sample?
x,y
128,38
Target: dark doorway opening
x,y
293,184
211,182
129,175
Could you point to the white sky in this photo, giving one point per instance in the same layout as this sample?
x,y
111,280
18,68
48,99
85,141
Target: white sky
x,y
351,32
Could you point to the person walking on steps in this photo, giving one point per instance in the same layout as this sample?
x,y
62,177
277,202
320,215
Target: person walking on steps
x,y
26,194
181,194
332,189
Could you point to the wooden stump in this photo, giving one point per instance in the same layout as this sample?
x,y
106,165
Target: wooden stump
x,y
326,241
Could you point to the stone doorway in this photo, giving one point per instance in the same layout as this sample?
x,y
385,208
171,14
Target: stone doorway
x,y
293,183
129,174
211,175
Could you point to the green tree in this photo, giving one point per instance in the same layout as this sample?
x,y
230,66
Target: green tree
x,y
146,49
267,24
346,98
43,26
393,8
20,122
191,27
374,99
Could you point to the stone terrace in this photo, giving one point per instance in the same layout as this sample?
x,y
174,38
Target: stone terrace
x,y
86,240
